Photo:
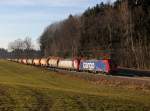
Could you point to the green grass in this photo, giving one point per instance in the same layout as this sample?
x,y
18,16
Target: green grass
x,y
27,88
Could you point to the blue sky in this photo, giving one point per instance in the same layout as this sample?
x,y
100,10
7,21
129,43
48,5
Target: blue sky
x,y
21,18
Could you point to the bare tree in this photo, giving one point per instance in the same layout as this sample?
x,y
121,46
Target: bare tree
x,y
22,48
28,43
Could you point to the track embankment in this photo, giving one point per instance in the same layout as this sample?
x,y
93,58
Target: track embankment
x,y
142,83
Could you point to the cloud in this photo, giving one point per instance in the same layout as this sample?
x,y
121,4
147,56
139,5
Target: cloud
x,y
51,3
42,2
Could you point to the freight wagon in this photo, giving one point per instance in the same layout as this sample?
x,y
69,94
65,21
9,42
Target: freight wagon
x,y
53,62
36,62
69,64
24,61
65,64
43,62
29,61
20,60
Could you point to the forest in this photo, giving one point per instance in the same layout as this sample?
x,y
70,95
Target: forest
x,y
119,30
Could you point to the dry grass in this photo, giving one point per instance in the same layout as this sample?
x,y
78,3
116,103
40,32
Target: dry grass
x,y
27,88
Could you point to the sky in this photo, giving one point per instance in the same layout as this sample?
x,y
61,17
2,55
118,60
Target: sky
x,y
29,18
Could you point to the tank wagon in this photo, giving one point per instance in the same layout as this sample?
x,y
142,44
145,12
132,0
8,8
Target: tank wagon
x,y
36,62
24,61
43,62
65,64
9,59
53,62
30,61
15,60
20,60
69,64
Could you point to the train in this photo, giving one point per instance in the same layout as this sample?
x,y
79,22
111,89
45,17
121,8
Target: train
x,y
106,66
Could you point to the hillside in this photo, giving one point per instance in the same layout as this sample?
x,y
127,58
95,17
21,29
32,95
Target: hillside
x,y
119,31
27,88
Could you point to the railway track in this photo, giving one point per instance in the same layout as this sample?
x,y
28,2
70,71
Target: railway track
x,y
133,72
120,75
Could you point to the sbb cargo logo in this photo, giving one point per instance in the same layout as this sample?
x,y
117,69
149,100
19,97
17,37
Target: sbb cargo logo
x,y
95,65
89,66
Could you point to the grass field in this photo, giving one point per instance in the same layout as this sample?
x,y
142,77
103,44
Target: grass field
x,y
27,88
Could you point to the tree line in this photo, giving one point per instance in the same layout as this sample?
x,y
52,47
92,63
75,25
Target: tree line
x,y
20,49
120,30
23,49
4,53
